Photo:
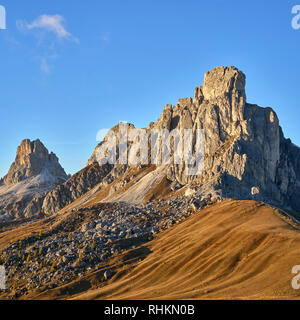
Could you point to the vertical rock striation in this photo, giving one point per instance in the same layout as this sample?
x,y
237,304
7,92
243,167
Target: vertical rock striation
x,y
246,155
31,176
32,159
244,144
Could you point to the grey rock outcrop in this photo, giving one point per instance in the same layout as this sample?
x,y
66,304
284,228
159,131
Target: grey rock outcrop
x,y
32,159
245,153
75,187
32,175
245,156
244,144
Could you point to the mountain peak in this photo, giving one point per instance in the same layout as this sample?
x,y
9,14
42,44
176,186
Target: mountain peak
x,y
222,81
32,158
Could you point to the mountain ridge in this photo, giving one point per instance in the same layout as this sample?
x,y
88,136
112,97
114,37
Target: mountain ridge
x,y
246,154
113,224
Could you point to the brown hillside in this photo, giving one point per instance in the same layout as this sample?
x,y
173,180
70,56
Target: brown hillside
x,y
232,250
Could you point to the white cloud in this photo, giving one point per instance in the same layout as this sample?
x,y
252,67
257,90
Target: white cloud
x,y
49,23
47,49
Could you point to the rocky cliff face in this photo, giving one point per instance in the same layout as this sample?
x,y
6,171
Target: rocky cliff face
x,y
36,184
32,159
245,153
32,175
75,187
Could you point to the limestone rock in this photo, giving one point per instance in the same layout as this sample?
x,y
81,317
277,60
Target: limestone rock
x,y
32,175
32,159
246,155
223,82
244,146
75,187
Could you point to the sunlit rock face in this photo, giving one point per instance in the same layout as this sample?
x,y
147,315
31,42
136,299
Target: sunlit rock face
x,y
244,144
32,175
245,156
244,147
32,159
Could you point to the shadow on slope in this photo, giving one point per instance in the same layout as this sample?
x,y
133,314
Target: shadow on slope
x,y
231,250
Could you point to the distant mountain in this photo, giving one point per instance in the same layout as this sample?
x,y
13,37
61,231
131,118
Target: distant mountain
x,y
33,159
33,174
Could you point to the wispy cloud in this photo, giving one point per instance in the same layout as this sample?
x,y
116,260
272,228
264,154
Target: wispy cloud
x,y
50,32
49,23
11,40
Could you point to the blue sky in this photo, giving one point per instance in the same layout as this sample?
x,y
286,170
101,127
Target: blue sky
x,y
98,62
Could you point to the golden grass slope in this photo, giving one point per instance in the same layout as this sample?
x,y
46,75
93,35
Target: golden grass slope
x,y
231,250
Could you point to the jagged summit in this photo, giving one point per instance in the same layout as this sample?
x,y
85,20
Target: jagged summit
x,y
32,159
221,81
246,156
31,176
112,210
